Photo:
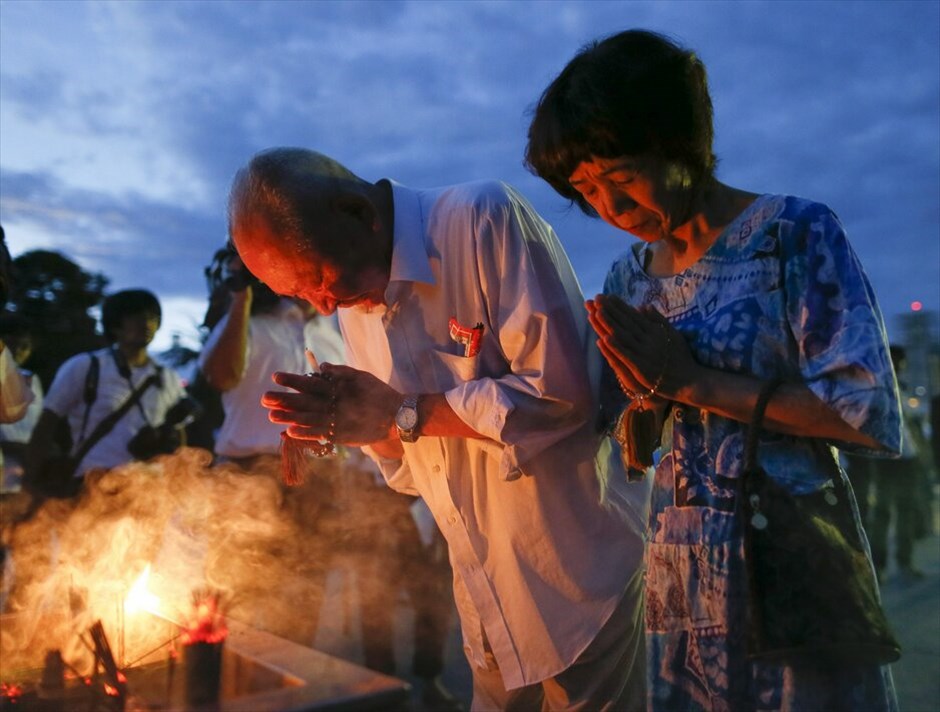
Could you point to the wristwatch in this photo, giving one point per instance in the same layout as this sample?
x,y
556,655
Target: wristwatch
x,y
406,420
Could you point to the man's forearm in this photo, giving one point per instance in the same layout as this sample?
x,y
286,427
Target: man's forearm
x,y
437,419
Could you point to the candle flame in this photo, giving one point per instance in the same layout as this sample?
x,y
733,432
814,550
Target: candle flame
x,y
140,598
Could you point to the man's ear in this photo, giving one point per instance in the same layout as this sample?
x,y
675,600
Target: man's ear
x,y
356,206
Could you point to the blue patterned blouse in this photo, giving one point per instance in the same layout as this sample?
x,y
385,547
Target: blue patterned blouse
x,y
780,293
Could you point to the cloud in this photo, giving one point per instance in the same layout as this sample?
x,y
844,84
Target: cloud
x,y
121,124
133,239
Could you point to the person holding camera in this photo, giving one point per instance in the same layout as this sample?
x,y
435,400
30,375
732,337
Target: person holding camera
x,y
260,333
116,403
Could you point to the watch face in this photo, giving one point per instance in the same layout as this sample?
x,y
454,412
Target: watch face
x,y
407,419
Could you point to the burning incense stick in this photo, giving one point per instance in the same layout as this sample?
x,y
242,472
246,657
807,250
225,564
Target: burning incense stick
x,y
312,360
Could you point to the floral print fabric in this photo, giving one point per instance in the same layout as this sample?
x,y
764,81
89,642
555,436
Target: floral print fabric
x,y
780,293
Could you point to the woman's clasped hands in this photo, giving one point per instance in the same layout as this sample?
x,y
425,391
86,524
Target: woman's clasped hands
x,y
649,357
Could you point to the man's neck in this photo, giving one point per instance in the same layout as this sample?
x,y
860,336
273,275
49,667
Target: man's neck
x,y
134,356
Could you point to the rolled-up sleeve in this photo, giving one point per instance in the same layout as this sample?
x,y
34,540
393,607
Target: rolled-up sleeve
x,y
396,473
837,323
533,307
15,393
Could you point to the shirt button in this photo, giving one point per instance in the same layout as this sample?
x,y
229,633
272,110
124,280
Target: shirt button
x,y
436,468
452,519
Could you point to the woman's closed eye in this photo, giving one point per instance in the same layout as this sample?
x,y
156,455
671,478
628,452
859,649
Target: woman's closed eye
x,y
621,177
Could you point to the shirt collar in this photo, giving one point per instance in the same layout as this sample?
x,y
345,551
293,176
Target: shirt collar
x,y
410,261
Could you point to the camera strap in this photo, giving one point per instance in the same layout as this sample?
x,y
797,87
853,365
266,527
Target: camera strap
x,y
120,362
105,426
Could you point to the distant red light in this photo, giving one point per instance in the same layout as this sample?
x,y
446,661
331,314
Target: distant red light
x,y
916,306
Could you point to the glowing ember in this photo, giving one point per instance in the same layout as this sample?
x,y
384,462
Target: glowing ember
x,y
113,691
206,623
10,691
140,598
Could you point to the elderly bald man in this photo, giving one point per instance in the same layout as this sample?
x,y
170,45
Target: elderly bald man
x,y
469,385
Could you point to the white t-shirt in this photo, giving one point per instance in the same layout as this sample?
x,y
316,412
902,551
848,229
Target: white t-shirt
x,y
66,399
321,335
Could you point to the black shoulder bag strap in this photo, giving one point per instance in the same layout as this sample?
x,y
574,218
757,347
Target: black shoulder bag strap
x,y
90,392
104,427
754,426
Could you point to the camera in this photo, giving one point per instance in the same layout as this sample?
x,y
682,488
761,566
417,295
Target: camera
x,y
166,438
222,282
151,441
238,280
220,273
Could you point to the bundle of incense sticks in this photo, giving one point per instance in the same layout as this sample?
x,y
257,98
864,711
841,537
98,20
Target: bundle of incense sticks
x,y
103,654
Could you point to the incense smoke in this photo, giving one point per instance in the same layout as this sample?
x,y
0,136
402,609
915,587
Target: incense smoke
x,y
266,548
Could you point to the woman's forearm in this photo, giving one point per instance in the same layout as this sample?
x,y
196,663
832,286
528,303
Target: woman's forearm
x,y
793,410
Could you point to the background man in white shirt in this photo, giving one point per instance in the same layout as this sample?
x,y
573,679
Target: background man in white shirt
x,y
468,383
130,319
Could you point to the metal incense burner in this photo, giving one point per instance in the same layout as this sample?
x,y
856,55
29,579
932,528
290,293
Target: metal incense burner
x,y
260,672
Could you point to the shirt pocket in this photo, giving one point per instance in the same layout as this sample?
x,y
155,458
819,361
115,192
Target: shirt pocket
x,y
451,370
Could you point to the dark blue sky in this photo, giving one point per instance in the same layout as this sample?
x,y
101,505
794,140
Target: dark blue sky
x,y
121,123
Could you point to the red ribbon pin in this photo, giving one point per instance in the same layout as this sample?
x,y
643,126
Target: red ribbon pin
x,y
470,336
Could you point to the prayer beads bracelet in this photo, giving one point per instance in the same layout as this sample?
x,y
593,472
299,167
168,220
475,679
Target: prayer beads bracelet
x,y
328,446
638,398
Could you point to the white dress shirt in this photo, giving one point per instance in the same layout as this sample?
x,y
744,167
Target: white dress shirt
x,y
539,564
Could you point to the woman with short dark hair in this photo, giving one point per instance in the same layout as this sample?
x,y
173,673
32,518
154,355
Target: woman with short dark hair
x,y
725,291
